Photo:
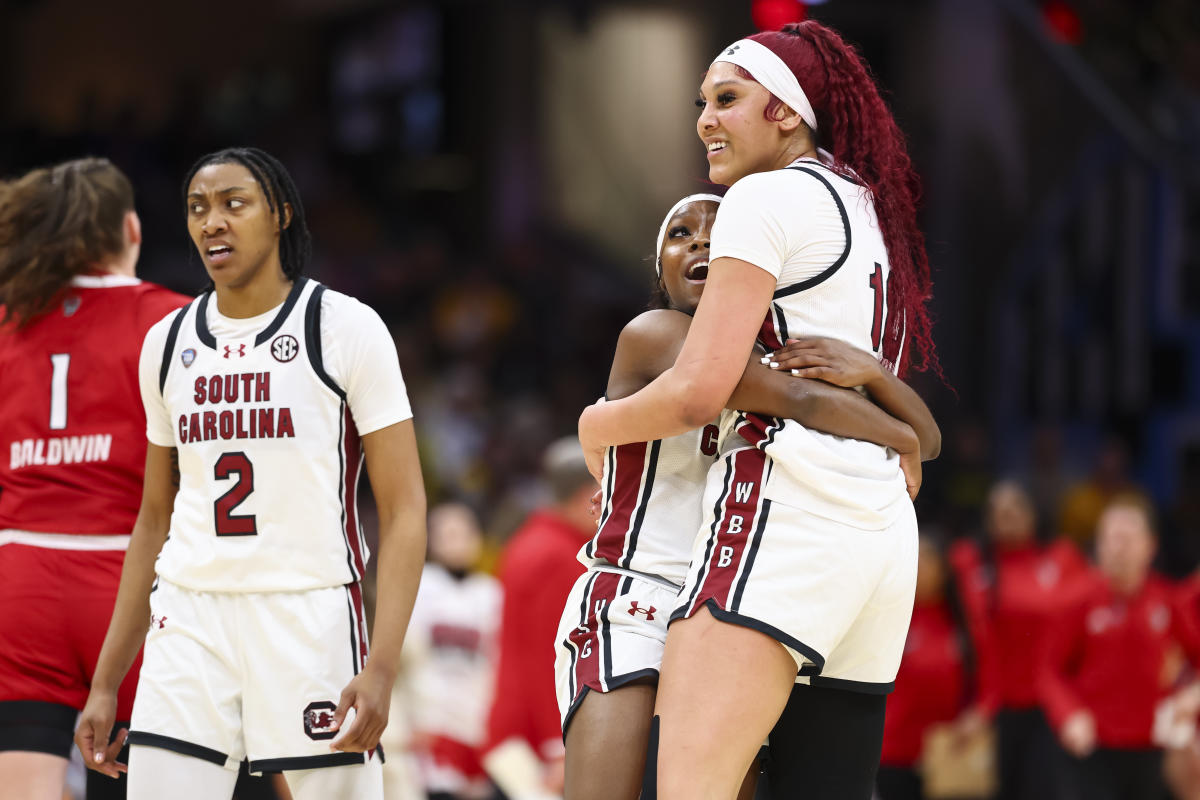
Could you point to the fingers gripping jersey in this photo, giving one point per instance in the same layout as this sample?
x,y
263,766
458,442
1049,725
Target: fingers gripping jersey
x,y
269,450
816,231
651,508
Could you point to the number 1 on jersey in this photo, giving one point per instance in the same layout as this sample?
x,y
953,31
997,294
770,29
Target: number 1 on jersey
x,y
58,390
876,282
227,523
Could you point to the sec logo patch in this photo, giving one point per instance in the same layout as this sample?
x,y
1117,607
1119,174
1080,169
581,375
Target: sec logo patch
x,y
284,348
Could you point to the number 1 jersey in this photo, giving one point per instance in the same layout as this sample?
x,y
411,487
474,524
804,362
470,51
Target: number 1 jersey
x,y
70,421
267,415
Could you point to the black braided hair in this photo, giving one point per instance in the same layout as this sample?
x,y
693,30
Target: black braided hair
x,y
295,242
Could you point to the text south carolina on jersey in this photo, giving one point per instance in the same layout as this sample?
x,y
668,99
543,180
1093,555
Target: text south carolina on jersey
x,y
235,423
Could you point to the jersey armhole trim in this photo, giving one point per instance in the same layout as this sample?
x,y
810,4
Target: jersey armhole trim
x,y
169,347
312,340
831,269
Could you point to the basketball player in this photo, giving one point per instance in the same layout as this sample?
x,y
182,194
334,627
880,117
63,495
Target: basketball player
x,y
261,398
615,621
807,560
73,319
453,632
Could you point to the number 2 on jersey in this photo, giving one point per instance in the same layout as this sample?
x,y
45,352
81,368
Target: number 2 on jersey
x,y
877,284
227,523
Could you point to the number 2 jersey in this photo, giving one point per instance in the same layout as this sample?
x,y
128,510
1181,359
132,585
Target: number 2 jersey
x,y
71,423
267,414
816,231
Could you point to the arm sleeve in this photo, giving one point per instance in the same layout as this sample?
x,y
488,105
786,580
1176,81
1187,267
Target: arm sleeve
x,y
158,421
750,224
360,356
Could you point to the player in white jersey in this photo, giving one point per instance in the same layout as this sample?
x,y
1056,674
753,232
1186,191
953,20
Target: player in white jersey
x,y
615,621
453,648
808,564
261,398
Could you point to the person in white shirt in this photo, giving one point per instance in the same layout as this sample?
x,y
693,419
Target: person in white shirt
x,y
453,634
805,563
262,397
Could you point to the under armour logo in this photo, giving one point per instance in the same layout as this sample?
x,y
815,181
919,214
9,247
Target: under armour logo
x,y
241,350
733,49
634,610
158,621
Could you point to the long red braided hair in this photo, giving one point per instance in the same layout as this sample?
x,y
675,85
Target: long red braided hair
x,y
855,125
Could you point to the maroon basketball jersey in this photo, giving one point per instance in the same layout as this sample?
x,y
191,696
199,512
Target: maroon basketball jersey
x,y
72,426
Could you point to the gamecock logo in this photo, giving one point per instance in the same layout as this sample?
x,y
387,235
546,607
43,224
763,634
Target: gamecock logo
x,y
318,720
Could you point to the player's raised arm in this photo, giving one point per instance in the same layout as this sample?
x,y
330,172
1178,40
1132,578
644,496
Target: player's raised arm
x,y
131,615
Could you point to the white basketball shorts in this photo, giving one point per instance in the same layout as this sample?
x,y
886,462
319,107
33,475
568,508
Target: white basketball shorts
x,y
229,676
612,632
839,598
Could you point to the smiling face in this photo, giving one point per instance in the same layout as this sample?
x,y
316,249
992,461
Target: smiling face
x,y
739,139
232,226
684,253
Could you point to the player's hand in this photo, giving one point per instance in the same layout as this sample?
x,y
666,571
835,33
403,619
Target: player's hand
x,y
594,505
830,360
369,694
1078,734
91,737
910,465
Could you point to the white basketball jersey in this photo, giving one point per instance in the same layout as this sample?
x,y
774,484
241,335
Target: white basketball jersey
x,y
455,622
843,297
269,456
651,510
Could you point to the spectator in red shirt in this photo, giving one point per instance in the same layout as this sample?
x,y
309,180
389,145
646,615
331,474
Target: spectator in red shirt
x,y
934,680
1106,667
538,567
1012,587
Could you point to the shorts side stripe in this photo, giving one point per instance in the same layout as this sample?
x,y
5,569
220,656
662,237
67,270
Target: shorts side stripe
x,y
572,645
752,551
358,633
702,571
740,506
602,628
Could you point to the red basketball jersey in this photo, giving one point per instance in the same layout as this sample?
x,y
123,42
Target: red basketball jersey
x,y
72,426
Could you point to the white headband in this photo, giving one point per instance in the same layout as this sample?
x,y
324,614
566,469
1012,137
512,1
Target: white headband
x,y
775,76
662,231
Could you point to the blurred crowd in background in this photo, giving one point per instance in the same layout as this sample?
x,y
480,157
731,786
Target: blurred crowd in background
x,y
489,177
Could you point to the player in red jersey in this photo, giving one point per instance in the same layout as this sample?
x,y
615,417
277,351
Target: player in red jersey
x,y
1109,659
72,320
1012,587
935,677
